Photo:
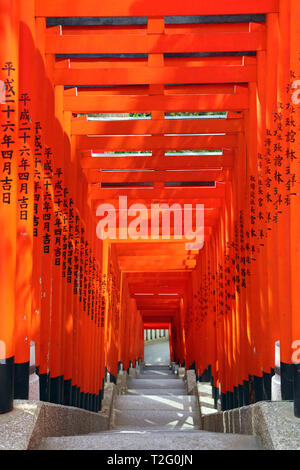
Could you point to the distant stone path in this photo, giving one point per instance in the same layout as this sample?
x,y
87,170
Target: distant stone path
x,y
158,353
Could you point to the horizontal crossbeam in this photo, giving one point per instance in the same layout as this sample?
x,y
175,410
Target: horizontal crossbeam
x,y
176,103
159,163
155,75
137,143
143,43
65,8
158,194
96,176
159,126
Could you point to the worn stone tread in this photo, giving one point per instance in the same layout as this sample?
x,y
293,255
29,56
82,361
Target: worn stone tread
x,y
157,383
156,391
158,376
145,440
149,418
156,402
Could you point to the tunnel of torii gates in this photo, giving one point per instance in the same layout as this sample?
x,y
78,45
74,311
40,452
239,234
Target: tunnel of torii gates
x,y
85,300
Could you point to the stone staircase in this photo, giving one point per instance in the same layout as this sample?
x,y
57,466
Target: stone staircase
x,y
156,414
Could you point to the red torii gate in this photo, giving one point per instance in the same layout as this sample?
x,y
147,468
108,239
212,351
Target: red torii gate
x,y
74,294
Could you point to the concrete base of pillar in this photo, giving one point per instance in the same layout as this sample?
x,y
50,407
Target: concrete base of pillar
x,y
135,371
276,388
191,382
131,372
34,387
122,382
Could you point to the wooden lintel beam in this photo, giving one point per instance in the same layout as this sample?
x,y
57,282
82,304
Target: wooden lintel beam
x,y
164,43
159,163
144,90
159,126
155,75
139,143
94,8
158,194
96,176
167,103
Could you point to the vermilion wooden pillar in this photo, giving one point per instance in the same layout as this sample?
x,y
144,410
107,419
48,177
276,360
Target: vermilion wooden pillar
x,y
284,215
25,200
230,295
39,145
99,345
76,310
295,206
221,338
9,75
271,228
83,328
268,360
215,367
227,320
253,280
86,351
46,121
69,301
56,352
241,192
104,296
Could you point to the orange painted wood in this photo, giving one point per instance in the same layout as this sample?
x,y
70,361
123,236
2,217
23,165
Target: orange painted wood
x,y
166,193
209,142
188,103
69,297
8,194
159,163
295,226
25,206
188,89
284,223
141,63
155,75
163,43
162,324
167,126
95,176
129,246
168,7
57,139
158,264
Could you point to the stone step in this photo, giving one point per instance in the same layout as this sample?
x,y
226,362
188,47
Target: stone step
x,y
146,431
207,403
156,375
157,383
156,391
156,402
151,440
157,366
149,418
